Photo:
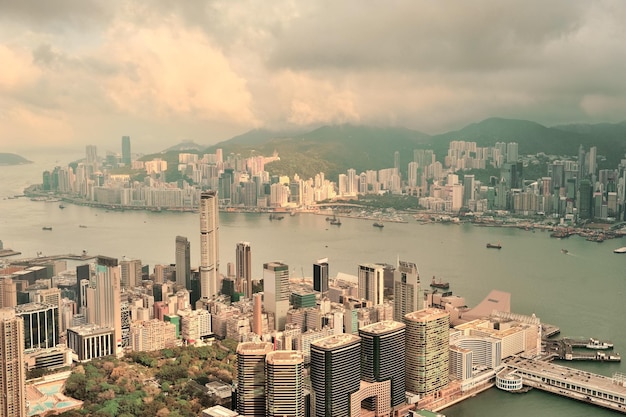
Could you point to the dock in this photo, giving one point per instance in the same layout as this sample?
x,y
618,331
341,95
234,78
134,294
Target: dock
x,y
580,385
563,349
8,252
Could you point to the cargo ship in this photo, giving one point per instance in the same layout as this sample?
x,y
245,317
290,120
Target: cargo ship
x,y
439,284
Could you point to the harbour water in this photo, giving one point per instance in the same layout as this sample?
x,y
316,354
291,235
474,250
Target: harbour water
x,y
581,291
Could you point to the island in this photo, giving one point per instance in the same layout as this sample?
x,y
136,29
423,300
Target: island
x,y
12,159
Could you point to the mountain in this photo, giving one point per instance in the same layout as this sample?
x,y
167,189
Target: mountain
x,y
12,159
330,149
188,145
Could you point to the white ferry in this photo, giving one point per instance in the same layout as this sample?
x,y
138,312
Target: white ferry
x,y
597,344
620,250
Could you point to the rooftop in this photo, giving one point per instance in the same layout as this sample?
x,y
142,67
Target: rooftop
x,y
426,314
336,341
382,327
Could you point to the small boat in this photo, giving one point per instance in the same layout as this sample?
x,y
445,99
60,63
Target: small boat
x,y
82,226
564,251
61,206
598,344
494,246
620,250
335,222
276,217
378,224
46,228
439,284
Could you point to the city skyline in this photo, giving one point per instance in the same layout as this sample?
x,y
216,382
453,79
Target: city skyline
x,y
81,73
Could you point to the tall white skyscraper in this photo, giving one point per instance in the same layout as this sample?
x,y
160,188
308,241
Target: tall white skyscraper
x,y
512,154
104,298
276,291
209,244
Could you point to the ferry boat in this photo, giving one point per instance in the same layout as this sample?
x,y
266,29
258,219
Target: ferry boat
x,y
46,228
494,246
597,344
620,250
276,217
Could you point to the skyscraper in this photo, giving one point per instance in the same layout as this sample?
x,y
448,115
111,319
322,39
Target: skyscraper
x,y
382,357
284,388
276,291
251,378
104,298
12,368
183,262
126,150
320,275
592,161
130,273
427,350
335,373
407,292
209,241
243,268
372,283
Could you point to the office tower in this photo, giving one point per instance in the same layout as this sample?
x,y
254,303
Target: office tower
x,y
320,276
335,373
183,262
581,164
512,152
592,161
209,241
82,273
396,160
382,357
469,189
12,368
284,376
243,268
276,291
41,325
104,298
585,200
371,283
251,378
427,350
407,292
91,152
126,150
130,270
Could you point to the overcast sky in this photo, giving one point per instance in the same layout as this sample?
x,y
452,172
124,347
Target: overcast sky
x,y
76,72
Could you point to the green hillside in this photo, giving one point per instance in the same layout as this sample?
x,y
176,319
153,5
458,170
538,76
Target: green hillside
x,y
12,159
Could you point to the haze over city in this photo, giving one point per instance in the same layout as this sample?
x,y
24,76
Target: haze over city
x,y
86,72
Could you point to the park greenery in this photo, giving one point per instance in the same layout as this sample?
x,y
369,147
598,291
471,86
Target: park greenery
x,y
167,383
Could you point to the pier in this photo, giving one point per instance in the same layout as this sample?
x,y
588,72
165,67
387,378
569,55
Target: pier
x,y
563,349
572,383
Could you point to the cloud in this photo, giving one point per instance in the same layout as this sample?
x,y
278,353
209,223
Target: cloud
x,y
208,69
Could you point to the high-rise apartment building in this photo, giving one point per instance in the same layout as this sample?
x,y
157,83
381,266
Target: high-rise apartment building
x,y
407,292
382,357
284,384
209,244
251,378
276,291
372,283
91,152
130,270
335,373
8,292
320,276
12,367
183,262
126,150
243,268
427,350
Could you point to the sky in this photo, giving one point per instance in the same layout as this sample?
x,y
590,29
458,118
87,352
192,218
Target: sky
x,y
77,72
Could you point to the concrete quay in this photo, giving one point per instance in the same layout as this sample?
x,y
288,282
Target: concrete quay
x,y
580,385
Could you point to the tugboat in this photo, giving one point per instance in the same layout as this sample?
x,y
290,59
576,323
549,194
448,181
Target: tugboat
x,y
439,284
494,246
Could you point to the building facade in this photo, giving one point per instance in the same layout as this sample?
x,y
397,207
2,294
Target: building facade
x,y
209,244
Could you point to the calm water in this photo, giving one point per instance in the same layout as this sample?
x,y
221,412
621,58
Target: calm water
x,y
582,291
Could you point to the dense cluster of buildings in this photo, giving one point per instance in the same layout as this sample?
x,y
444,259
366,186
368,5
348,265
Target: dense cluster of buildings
x,y
321,346
574,188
